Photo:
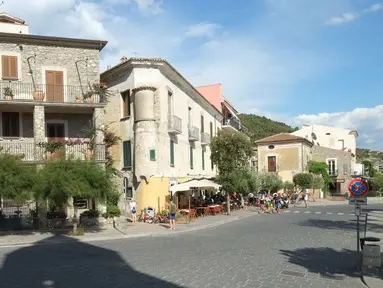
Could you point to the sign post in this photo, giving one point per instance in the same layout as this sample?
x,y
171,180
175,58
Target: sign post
x,y
126,182
358,189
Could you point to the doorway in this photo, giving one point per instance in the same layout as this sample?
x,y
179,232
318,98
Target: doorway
x,y
56,133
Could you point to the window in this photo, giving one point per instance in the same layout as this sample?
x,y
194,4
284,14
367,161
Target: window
x,y
171,153
272,164
170,103
9,67
202,124
152,153
271,146
211,163
11,124
80,203
189,116
191,157
203,160
211,129
331,167
341,142
125,97
127,153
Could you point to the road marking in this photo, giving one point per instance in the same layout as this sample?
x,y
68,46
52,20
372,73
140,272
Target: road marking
x,y
318,212
352,214
286,211
296,212
329,213
340,214
307,212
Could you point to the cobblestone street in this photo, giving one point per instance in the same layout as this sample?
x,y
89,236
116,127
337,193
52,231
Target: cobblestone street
x,y
287,250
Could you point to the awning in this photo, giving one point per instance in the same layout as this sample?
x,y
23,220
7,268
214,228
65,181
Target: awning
x,y
234,114
200,184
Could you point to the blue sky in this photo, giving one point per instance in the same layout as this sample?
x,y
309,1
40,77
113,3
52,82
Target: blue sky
x,y
298,61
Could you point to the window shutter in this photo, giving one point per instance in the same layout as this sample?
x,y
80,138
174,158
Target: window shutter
x,y
171,152
13,71
152,153
191,157
5,66
127,153
203,160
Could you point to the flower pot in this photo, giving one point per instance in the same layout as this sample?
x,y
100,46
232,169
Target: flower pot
x,y
8,97
78,100
38,95
89,100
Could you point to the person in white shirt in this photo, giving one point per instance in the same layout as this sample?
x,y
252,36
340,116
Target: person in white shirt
x,y
133,210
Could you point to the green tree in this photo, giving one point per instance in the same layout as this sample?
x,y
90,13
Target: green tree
x,y
369,169
230,152
321,168
270,182
16,178
58,181
377,182
289,187
240,180
303,180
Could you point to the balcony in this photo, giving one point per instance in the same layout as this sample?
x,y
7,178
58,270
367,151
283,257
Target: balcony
x,y
232,124
205,139
174,125
29,92
332,172
193,133
30,152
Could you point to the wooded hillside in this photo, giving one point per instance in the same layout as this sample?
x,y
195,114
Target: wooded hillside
x,y
260,127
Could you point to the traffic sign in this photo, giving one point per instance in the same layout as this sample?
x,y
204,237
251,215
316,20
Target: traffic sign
x,y
357,201
358,187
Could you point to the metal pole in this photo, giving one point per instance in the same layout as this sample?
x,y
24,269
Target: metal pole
x,y
357,232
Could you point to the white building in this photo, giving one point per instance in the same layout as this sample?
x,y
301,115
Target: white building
x,y
330,137
165,125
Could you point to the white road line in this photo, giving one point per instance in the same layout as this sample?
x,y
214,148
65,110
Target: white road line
x,y
287,211
296,212
352,214
340,214
307,212
329,213
318,212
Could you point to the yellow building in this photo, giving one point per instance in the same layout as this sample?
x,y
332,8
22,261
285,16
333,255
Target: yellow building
x,y
285,154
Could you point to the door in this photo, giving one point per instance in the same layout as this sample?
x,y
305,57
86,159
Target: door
x,y
56,133
272,164
54,81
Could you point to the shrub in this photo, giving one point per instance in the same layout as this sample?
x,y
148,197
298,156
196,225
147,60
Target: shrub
x,y
90,213
112,211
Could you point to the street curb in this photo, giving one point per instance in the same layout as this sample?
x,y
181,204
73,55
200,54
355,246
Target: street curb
x,y
148,234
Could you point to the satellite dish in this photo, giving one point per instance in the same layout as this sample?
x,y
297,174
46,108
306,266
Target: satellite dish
x,y
314,136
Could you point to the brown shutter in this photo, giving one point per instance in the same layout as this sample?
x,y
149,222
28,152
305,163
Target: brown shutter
x,y
59,86
50,82
5,68
272,164
13,71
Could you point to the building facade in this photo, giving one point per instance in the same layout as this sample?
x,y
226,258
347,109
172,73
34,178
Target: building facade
x,y
284,154
165,125
46,93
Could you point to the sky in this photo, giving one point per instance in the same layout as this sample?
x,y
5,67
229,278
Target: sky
x,y
296,61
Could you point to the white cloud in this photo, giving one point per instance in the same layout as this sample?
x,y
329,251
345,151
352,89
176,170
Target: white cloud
x,y
204,29
368,122
374,8
343,19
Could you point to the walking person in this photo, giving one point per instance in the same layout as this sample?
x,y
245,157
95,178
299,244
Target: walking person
x,y
277,201
262,203
133,210
172,215
305,198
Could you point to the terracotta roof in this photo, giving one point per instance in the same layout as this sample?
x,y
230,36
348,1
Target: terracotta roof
x,y
283,137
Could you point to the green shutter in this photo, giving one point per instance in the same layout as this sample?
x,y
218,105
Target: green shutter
x,y
191,157
171,153
127,153
203,160
152,155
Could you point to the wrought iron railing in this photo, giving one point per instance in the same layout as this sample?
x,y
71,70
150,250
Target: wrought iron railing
x,y
233,122
332,172
205,138
174,124
49,93
30,152
193,133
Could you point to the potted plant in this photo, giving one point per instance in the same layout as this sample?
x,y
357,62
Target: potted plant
x,y
38,95
8,93
53,150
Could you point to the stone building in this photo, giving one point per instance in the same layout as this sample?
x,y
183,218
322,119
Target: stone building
x,y
48,92
165,125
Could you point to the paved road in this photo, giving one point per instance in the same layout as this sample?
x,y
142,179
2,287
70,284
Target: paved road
x,y
287,250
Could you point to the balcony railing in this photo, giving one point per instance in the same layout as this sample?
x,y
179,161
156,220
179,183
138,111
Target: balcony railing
x,y
332,172
193,133
174,124
48,93
30,152
205,139
232,122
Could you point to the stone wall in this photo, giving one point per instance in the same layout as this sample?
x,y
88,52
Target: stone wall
x,y
343,163
69,60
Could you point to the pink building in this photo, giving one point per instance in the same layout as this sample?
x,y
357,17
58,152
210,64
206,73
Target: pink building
x,y
213,93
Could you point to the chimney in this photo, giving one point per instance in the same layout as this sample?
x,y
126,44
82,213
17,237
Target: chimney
x,y
123,59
